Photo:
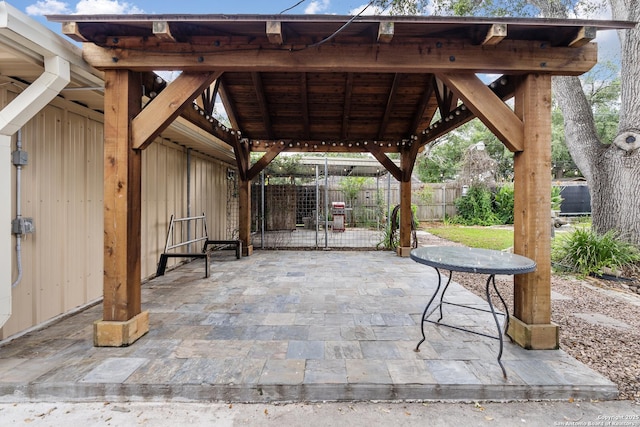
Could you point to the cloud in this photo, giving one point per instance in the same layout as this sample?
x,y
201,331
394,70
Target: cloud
x,y
89,7
48,7
371,10
317,6
83,7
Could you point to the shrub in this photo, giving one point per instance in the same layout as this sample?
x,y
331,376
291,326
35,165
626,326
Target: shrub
x,y
476,207
585,252
504,204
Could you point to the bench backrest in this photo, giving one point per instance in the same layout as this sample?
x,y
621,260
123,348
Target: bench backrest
x,y
183,232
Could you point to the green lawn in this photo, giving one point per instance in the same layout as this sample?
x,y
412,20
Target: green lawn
x,y
475,237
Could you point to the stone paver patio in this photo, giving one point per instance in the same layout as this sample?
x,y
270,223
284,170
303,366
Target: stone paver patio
x,y
291,326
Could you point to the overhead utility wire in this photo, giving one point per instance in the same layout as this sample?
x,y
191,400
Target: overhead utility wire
x,y
339,30
294,6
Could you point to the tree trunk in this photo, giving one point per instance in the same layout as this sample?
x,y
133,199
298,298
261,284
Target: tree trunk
x,y
612,170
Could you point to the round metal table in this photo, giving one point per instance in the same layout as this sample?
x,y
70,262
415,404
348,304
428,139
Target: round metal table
x,y
470,260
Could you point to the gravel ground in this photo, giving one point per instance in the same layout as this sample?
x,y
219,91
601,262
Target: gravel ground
x,y
599,321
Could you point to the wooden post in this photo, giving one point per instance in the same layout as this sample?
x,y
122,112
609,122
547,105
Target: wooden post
x,y
123,322
406,216
531,325
244,222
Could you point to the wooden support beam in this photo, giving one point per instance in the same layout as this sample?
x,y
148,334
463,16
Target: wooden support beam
x,y
164,109
390,105
385,32
532,327
406,215
503,87
411,152
274,32
494,113
244,211
264,161
312,146
430,56
585,35
385,161
122,215
242,154
495,34
162,31
262,103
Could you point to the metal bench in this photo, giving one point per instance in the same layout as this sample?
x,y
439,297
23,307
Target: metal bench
x,y
183,233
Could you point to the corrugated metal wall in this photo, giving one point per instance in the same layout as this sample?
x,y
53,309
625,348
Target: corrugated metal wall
x,y
62,189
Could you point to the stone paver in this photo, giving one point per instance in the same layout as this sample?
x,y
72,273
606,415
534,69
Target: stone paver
x,y
291,326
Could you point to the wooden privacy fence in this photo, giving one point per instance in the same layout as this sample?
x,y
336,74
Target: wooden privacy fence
x,y
441,202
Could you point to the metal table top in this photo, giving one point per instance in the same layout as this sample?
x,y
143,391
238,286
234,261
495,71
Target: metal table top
x,y
473,260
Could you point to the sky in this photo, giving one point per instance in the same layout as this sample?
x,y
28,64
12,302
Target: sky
x,y
43,7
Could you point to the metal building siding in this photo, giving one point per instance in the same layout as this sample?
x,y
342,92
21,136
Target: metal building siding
x,y
62,190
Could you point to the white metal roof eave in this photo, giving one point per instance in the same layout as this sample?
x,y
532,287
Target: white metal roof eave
x,y
30,38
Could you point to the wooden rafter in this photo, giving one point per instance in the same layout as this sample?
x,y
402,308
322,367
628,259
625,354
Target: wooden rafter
x,y
304,101
432,55
162,31
346,112
583,36
495,34
445,97
262,103
385,32
494,113
163,109
208,97
389,107
274,32
422,108
229,106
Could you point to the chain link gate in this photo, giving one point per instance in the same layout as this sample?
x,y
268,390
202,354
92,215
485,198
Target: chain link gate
x,y
295,212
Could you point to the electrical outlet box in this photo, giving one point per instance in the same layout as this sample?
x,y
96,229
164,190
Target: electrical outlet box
x,y
20,158
22,226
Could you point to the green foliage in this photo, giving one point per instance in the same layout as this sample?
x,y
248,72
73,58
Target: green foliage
x,y
351,186
390,238
504,204
424,194
556,198
444,161
585,252
476,207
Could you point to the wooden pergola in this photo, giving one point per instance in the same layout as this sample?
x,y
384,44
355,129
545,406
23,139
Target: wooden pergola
x,y
329,84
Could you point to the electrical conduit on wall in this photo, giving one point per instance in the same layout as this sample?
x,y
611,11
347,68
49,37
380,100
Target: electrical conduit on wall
x,y
13,117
